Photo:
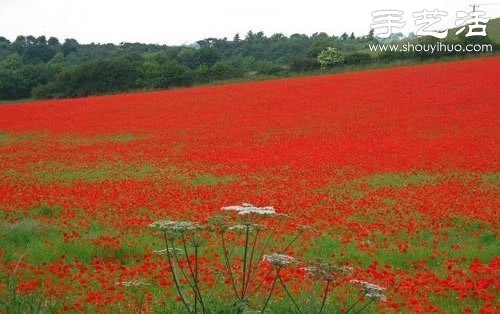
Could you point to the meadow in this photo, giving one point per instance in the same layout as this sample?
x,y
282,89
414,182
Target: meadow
x,y
395,173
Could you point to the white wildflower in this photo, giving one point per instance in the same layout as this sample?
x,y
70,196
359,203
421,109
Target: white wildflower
x,y
327,272
279,260
371,290
377,296
240,228
245,209
245,227
170,250
344,270
133,283
318,272
175,226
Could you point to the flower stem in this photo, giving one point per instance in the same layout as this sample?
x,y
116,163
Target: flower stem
x,y
228,263
196,277
324,296
176,259
262,253
243,278
271,291
291,242
219,276
196,291
174,276
251,261
288,293
355,303
364,306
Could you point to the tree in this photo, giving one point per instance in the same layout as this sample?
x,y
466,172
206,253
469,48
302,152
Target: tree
x,y
224,71
344,36
303,64
202,74
269,68
319,44
53,41
91,78
175,74
4,40
207,55
19,44
330,57
149,75
57,64
11,85
358,58
70,45
12,62
371,35
250,36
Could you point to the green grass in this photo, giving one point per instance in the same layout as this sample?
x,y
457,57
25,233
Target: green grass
x,y
360,187
104,171
41,243
45,211
395,180
466,239
492,178
6,138
210,179
100,139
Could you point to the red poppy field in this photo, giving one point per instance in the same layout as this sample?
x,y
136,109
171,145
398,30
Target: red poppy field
x,y
397,171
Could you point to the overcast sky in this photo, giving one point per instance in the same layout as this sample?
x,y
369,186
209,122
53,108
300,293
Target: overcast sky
x,y
185,21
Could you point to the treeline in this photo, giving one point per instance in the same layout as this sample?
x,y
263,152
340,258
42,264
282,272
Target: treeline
x,y
47,68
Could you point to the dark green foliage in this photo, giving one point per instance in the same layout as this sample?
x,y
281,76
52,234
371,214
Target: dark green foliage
x,y
153,74
175,74
97,77
69,46
18,79
224,71
49,68
269,68
358,58
304,64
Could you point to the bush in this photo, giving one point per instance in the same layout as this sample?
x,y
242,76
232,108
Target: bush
x,y
269,68
358,58
175,74
303,64
224,71
91,78
11,85
330,57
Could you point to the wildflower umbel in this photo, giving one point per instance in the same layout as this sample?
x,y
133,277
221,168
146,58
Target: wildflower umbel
x,y
327,272
245,209
132,283
174,226
279,260
170,250
245,227
371,290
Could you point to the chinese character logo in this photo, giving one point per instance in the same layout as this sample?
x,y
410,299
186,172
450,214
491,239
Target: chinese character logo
x,y
474,21
386,20
426,19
